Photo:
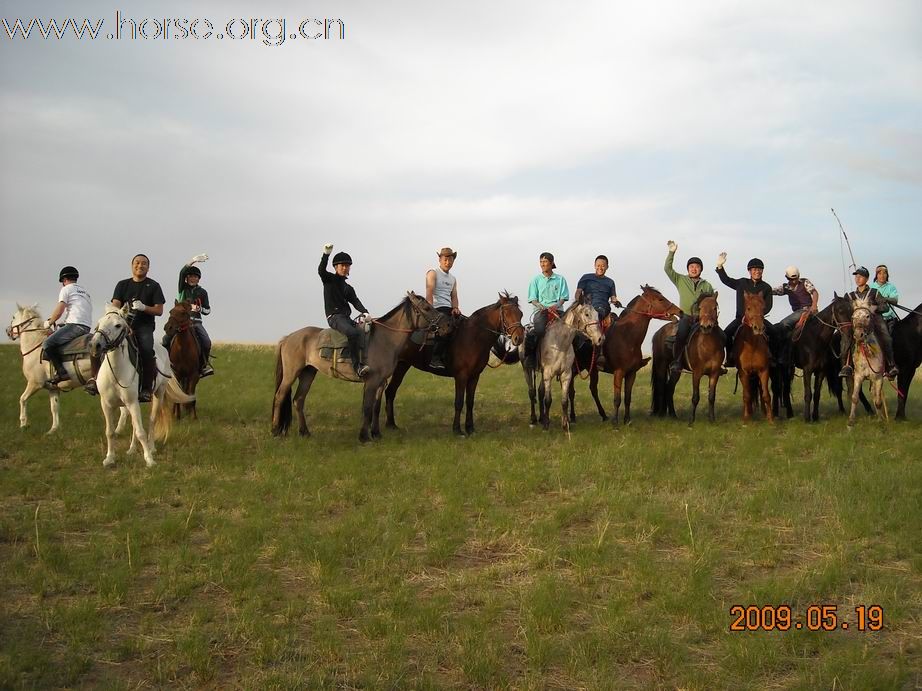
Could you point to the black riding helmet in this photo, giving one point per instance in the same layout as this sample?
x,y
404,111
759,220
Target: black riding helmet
x,y
755,263
694,260
341,258
194,271
68,272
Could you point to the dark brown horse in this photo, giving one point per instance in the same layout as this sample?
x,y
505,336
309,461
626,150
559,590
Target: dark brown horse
x,y
185,354
621,349
298,359
907,349
704,354
752,356
468,354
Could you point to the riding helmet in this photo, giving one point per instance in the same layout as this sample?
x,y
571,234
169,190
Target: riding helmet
x,y
694,260
341,258
68,272
755,263
194,271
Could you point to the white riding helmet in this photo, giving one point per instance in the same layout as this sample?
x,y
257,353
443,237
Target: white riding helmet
x,y
792,272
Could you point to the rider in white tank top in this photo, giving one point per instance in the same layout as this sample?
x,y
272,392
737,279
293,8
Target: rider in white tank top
x,y
444,285
442,293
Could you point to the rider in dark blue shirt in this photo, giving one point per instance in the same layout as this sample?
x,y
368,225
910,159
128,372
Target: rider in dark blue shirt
x,y
599,287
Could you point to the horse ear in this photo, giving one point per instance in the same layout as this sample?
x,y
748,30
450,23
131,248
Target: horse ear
x,y
715,294
34,306
175,302
835,295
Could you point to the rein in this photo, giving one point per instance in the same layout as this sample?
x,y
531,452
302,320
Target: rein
x,y
433,323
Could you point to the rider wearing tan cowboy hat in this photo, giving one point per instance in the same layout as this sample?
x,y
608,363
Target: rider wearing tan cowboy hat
x,y
442,293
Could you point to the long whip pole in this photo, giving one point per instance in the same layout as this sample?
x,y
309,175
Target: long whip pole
x,y
853,265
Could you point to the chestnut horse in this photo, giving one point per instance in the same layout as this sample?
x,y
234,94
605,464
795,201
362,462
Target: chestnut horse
x,y
621,349
752,356
185,354
468,353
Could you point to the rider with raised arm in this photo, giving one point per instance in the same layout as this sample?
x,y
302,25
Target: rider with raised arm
x,y
189,289
337,296
75,306
547,292
881,304
754,285
442,293
691,288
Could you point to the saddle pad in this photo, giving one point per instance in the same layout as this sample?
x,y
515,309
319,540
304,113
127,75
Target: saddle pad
x,y
331,338
77,346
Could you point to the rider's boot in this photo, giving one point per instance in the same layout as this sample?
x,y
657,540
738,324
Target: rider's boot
x,y
148,375
90,386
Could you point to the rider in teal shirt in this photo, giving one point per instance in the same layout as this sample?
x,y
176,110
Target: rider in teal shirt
x,y
547,292
889,292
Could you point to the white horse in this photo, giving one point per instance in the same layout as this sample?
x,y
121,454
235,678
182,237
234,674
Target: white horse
x,y
26,327
868,359
118,381
557,355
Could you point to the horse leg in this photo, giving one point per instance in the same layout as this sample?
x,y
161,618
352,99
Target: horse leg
x,y
616,381
281,395
304,386
857,382
696,395
594,389
54,399
571,395
566,385
108,414
767,408
817,391
376,411
137,424
747,395
808,392
530,382
712,395
471,391
546,398
628,389
28,392
460,389
902,390
368,404
390,393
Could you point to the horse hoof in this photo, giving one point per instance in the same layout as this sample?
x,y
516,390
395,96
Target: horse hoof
x,y
391,425
108,462
150,462
304,433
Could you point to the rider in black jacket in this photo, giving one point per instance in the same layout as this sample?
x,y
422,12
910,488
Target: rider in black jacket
x,y
753,284
337,296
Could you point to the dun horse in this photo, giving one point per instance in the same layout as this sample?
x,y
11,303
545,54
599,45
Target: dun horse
x,y
185,354
752,356
298,359
468,354
868,359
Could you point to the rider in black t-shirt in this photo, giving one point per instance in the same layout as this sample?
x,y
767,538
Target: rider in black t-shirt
x,y
145,298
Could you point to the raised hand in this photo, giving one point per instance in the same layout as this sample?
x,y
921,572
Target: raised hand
x,y
672,246
198,258
721,259
327,248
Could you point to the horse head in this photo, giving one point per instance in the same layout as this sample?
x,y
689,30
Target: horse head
x,y
180,318
657,305
110,331
510,318
425,316
841,311
23,319
754,312
707,311
584,318
862,310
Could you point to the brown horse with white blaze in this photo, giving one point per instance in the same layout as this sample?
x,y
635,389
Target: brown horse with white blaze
x,y
704,354
468,355
752,356
185,354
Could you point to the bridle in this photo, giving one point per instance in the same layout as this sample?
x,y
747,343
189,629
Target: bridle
x,y
14,331
665,316
505,330
433,324
112,344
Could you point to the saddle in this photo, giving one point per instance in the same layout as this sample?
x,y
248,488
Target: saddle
x,y
334,346
74,349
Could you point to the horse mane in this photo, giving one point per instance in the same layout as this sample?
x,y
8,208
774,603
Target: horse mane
x,y
393,311
30,310
701,298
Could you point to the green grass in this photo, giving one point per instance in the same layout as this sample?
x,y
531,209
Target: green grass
x,y
515,558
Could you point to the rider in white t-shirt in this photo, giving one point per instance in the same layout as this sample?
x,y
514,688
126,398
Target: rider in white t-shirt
x,y
75,307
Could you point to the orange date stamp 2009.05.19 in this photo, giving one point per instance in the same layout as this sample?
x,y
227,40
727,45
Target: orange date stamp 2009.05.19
x,y
813,618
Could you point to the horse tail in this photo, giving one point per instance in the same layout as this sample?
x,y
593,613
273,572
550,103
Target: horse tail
x,y
284,408
172,394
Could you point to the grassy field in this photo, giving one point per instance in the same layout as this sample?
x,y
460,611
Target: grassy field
x,y
516,558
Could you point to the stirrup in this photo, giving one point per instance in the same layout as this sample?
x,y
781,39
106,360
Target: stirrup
x,y
846,371
90,388
363,371
145,397
892,373
207,371
436,364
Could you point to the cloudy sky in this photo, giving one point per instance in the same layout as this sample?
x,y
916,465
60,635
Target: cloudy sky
x,y
500,129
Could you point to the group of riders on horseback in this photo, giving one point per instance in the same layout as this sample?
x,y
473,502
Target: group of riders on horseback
x,y
145,298
548,292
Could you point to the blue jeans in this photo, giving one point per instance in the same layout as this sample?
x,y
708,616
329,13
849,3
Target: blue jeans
x,y
62,336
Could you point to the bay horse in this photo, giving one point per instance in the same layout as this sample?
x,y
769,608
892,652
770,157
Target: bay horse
x,y
185,353
468,353
867,359
556,358
26,327
907,350
752,356
621,349
704,353
118,381
297,358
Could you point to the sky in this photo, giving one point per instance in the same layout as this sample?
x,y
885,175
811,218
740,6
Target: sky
x,y
499,129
